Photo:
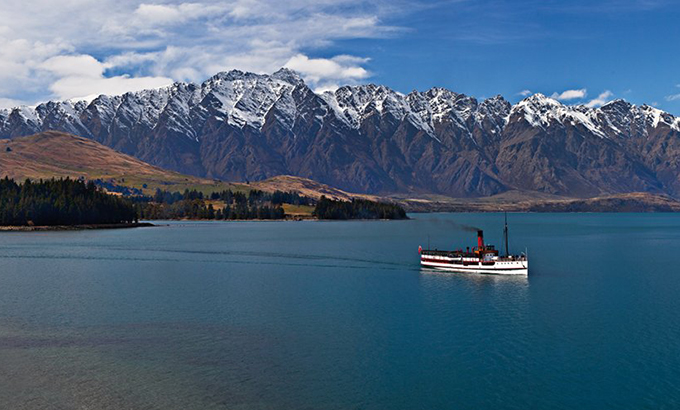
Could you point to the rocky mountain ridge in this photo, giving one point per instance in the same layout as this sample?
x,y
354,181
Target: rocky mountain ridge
x,y
243,126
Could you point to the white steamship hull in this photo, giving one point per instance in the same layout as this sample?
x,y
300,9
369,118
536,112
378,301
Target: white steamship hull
x,y
514,267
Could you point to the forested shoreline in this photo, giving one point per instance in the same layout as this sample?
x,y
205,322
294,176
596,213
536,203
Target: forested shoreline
x,y
357,209
61,202
74,202
223,205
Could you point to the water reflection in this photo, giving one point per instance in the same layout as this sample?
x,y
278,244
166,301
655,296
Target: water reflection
x,y
481,279
509,292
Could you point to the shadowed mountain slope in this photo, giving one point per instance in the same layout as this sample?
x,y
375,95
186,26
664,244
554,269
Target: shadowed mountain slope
x,y
240,126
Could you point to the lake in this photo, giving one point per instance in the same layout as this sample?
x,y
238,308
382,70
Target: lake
x,y
339,315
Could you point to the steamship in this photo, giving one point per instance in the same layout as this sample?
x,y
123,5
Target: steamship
x,y
480,259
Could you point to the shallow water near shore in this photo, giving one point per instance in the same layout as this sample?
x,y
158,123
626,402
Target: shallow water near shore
x,y
338,315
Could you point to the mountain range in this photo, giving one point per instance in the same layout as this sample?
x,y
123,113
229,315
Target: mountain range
x,y
241,126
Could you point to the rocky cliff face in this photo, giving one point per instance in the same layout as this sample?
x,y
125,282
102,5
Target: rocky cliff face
x,y
244,126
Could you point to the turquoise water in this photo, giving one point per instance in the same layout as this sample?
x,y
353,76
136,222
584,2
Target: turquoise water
x,y
338,315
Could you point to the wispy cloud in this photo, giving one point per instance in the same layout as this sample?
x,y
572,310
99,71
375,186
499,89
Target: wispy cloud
x,y
524,93
601,99
605,6
673,97
570,95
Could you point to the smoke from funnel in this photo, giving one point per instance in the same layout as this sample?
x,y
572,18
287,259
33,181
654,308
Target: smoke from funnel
x,y
463,227
455,225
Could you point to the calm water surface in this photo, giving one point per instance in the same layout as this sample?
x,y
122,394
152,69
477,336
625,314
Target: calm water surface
x,y
338,315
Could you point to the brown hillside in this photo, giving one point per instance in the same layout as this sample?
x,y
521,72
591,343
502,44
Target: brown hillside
x,y
59,155
54,154
305,187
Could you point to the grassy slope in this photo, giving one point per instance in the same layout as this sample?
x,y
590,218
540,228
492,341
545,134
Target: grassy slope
x,y
305,187
59,155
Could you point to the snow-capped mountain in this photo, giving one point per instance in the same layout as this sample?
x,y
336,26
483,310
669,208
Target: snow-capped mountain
x,y
369,138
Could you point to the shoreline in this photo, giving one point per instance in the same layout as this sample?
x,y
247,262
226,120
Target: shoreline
x,y
276,220
74,227
63,228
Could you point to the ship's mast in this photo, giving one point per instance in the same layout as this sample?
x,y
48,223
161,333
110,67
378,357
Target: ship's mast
x,y
505,236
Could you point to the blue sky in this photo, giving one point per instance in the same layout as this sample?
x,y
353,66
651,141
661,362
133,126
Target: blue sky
x,y
483,48
584,52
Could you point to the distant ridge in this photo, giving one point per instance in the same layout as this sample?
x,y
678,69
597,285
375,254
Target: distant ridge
x,y
241,126
629,202
60,155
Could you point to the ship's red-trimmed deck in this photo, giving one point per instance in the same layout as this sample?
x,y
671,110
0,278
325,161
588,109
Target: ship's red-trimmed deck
x,y
459,254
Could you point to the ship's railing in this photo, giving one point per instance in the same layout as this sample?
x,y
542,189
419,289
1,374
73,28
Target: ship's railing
x,y
511,258
450,254
458,254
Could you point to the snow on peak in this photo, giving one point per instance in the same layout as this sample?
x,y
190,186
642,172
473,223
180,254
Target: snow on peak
x,y
676,124
288,75
496,110
616,118
29,114
244,99
541,111
230,75
618,104
655,116
538,109
354,104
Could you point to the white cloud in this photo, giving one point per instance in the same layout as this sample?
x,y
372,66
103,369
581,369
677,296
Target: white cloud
x,y
673,97
570,95
19,61
124,44
88,88
158,13
324,73
74,66
82,77
163,14
601,99
524,93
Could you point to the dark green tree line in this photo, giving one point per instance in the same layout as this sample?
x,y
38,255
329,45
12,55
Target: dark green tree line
x,y
192,205
357,209
60,202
